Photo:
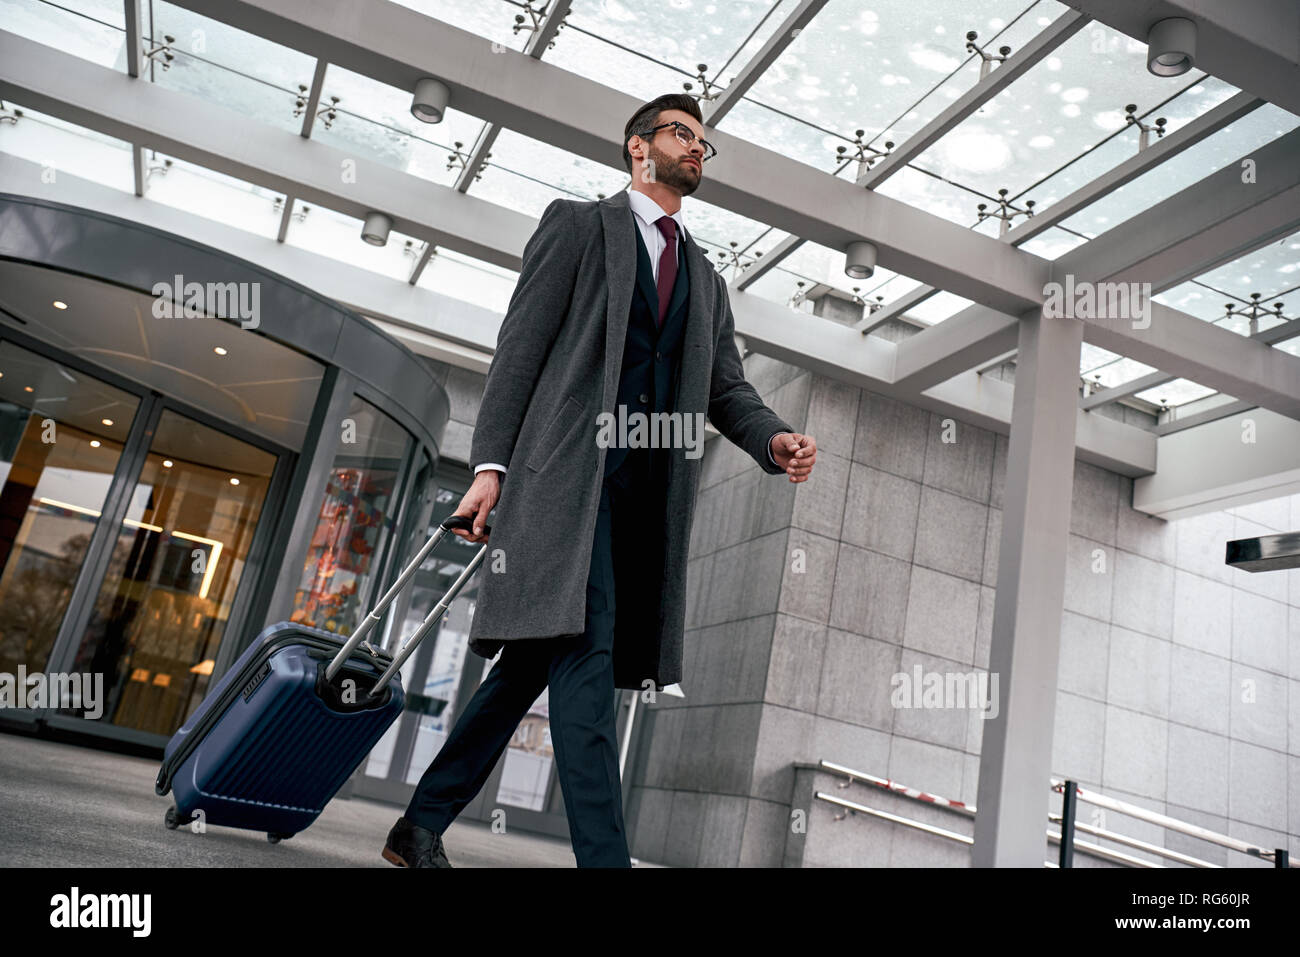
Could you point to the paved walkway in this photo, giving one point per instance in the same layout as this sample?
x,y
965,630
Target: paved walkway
x,y
71,806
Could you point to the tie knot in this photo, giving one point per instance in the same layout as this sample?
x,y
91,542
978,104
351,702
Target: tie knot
x,y
668,226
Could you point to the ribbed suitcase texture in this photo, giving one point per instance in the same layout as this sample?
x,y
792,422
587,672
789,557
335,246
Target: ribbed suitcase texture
x,y
265,751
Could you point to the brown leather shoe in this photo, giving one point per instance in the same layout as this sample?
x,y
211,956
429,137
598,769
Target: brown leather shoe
x,y
410,845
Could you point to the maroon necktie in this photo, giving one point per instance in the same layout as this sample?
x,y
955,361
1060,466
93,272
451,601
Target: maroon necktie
x,y
667,264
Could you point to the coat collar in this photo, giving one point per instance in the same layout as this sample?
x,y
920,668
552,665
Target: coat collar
x,y
650,211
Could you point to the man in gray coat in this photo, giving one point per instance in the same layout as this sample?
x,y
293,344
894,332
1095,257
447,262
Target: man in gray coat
x,y
617,341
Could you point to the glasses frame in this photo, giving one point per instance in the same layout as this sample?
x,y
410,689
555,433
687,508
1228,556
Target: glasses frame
x,y
710,150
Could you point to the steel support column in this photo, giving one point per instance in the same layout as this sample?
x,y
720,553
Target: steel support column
x,y
1016,756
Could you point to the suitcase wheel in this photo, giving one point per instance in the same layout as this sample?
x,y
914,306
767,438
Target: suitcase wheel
x,y
173,819
276,838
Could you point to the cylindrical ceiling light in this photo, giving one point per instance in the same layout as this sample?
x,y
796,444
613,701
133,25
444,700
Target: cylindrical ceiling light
x,y
860,260
375,231
1171,47
431,97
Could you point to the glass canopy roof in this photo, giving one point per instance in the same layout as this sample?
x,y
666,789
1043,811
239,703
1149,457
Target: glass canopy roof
x,y
885,68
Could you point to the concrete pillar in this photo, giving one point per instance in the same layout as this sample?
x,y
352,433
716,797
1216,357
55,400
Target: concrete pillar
x,y
1015,760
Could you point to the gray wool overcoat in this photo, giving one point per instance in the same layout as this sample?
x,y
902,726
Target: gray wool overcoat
x,y
556,367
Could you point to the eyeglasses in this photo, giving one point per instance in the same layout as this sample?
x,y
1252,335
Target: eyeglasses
x,y
684,136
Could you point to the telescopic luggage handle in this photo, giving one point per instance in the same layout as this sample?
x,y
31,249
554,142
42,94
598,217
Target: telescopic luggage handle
x,y
463,522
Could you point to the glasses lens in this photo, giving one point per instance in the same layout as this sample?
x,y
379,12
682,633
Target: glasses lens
x,y
687,138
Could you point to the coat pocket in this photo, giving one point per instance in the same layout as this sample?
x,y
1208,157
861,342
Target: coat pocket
x,y
565,421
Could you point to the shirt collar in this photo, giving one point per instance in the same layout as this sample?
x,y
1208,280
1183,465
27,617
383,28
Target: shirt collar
x,y
649,211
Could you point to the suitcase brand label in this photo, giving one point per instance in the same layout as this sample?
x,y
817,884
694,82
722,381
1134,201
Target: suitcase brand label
x,y
257,679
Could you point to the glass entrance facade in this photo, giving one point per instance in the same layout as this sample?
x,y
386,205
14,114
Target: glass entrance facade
x,y
61,439
176,564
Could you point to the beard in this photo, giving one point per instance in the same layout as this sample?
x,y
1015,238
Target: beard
x,y
671,172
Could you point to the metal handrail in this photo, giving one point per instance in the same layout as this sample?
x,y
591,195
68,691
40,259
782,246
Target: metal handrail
x,y
1171,823
928,828
1096,850
960,807
1057,784
1134,842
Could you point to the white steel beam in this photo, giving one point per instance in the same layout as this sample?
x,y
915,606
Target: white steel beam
x,y
771,51
1231,212
1249,457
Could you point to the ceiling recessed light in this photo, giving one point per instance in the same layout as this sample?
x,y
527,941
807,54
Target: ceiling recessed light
x,y
60,304
167,463
219,351
94,443
107,421
234,481
27,388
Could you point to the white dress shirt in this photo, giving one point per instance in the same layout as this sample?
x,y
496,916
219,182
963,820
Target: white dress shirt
x,y
646,213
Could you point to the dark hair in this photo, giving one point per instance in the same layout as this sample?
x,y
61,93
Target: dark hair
x,y
647,115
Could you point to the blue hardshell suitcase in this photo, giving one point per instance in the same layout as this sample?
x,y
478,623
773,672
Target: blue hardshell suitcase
x,y
289,722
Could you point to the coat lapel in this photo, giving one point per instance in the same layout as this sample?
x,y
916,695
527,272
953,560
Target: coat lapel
x,y
620,272
697,338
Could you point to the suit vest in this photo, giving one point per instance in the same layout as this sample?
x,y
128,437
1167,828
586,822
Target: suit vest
x,y
651,359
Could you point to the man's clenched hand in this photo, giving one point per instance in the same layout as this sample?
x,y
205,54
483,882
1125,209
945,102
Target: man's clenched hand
x,y
795,453
478,501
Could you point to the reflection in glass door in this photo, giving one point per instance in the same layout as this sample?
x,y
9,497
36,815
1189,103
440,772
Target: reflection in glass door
x,y
338,578
164,602
61,437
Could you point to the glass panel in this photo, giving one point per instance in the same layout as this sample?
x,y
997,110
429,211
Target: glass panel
x,y
657,27
940,306
785,134
527,174
213,195
65,147
354,523
491,19
57,459
1106,369
1227,146
1052,243
337,236
94,30
1175,392
470,280
1193,101
172,577
889,68
374,120
226,66
951,201
637,74
1063,106
1273,271
720,227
